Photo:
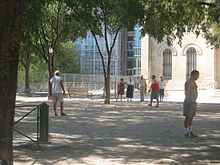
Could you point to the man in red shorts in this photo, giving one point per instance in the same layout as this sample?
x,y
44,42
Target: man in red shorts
x,y
154,88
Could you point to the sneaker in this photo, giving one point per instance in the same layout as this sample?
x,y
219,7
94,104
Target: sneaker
x,y
55,114
187,135
150,105
63,114
192,135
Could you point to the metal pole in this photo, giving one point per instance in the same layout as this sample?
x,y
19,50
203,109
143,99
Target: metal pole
x,y
44,115
38,117
115,84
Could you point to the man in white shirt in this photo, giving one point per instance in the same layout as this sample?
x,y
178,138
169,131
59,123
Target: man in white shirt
x,y
142,87
162,88
56,90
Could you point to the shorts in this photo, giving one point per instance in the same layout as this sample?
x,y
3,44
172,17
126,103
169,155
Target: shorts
x,y
162,92
189,108
57,97
154,95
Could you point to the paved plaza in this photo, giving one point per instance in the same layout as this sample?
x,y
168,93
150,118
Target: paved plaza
x,y
121,133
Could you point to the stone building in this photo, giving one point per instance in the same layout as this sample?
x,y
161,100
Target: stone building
x,y
176,62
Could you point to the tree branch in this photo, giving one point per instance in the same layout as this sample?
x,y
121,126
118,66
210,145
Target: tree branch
x,y
22,62
42,49
57,24
206,4
106,35
43,34
114,40
100,53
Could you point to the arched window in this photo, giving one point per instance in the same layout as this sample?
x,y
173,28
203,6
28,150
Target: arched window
x,y
167,63
191,61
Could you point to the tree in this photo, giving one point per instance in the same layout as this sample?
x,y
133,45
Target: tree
x,y
54,26
27,51
29,62
10,31
103,17
211,26
25,60
26,57
67,59
171,19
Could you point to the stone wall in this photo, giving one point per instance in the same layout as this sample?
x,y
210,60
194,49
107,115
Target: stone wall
x,y
207,61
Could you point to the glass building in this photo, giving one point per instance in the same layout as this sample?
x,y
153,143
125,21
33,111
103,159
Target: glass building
x,y
134,51
126,54
90,58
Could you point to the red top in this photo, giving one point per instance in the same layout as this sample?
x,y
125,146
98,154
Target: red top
x,y
155,86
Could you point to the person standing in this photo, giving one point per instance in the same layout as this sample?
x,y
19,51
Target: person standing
x,y
121,89
189,104
154,89
130,89
56,88
142,87
162,88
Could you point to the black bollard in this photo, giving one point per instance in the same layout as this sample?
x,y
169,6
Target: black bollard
x,y
3,161
44,116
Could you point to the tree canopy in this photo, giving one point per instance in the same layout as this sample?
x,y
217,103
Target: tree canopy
x,y
104,17
171,19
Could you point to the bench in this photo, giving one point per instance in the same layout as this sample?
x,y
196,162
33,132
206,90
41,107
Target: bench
x,y
78,91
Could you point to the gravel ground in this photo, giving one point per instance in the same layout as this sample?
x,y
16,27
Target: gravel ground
x,y
120,133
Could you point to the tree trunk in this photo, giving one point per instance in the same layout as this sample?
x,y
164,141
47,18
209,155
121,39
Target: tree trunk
x,y
10,14
27,73
27,80
107,89
50,71
50,65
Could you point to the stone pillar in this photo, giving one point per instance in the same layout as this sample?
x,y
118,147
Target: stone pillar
x,y
145,56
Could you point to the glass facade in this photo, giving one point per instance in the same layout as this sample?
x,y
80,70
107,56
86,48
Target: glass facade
x,y
90,58
136,51
126,55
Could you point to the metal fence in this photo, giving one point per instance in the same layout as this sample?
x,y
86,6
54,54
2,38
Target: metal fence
x,y
39,81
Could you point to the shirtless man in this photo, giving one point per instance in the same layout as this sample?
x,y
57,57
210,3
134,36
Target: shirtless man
x,y
190,103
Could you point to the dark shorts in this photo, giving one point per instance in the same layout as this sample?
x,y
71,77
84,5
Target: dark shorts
x,y
189,108
162,92
154,95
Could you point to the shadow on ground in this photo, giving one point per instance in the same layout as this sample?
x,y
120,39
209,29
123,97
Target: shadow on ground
x,y
124,133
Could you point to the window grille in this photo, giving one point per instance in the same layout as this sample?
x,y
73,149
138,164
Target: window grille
x,y
167,64
191,61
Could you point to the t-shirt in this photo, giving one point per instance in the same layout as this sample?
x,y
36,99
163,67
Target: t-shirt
x,y
130,82
142,82
56,87
155,86
162,84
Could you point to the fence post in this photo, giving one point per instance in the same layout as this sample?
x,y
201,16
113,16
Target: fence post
x,y
44,116
115,85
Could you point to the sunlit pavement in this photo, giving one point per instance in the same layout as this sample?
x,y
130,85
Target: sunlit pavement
x,y
123,133
204,96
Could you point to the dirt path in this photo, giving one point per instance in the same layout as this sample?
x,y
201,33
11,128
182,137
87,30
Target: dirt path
x,y
124,133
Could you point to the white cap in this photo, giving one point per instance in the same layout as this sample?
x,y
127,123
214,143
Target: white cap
x,y
57,71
